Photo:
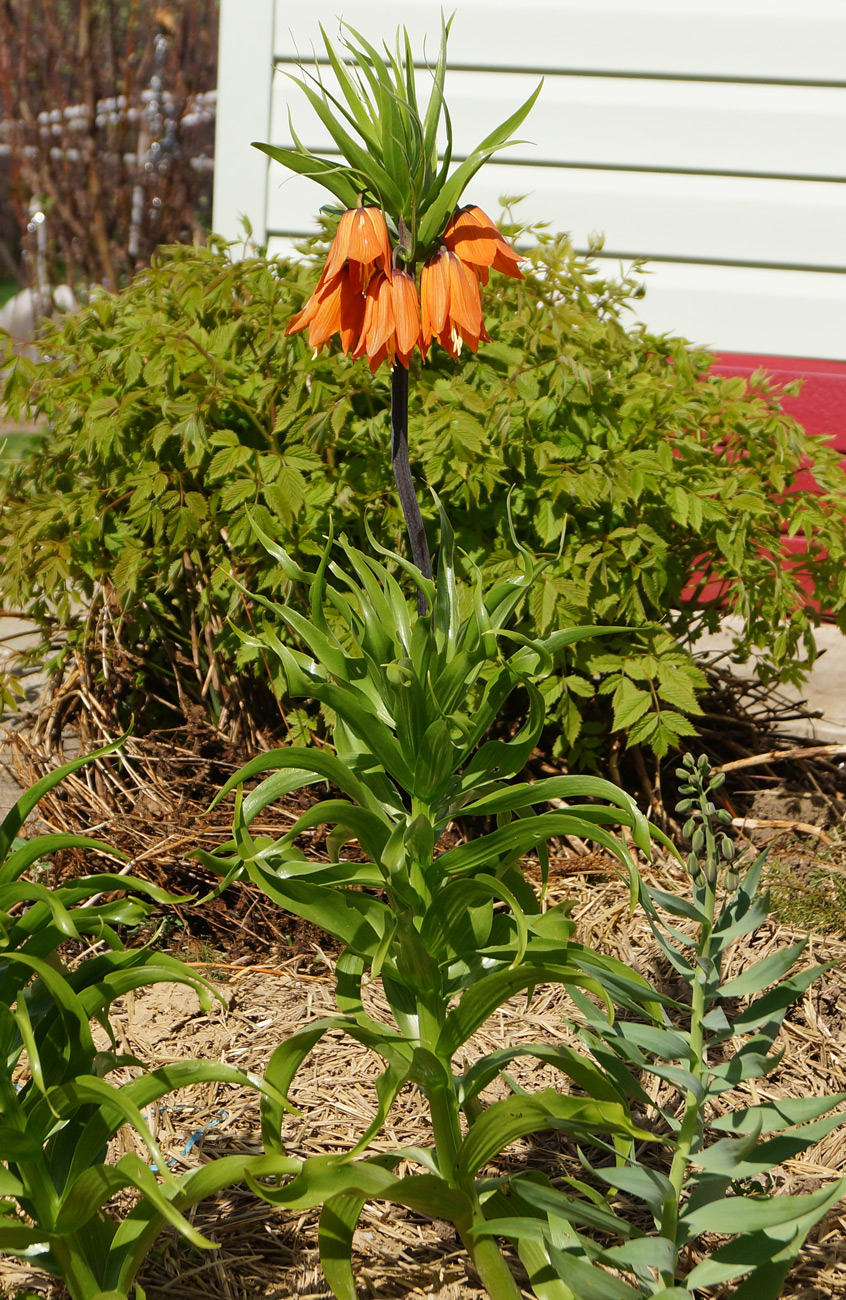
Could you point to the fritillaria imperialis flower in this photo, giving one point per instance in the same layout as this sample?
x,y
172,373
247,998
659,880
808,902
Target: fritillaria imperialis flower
x,y
361,242
335,307
473,237
451,304
373,305
391,328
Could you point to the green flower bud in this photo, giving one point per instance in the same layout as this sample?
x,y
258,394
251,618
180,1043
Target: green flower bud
x,y
717,781
732,879
724,816
727,848
697,841
693,866
684,805
689,827
703,763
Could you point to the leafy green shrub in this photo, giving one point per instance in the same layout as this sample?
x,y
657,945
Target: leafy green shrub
x,y
630,468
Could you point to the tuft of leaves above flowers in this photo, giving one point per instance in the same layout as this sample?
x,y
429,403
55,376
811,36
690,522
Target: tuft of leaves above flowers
x,y
631,469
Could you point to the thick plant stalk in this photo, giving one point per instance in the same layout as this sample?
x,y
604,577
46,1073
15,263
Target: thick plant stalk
x,y
402,477
487,1258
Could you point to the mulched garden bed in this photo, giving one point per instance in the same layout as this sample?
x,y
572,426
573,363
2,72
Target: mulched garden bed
x,y
274,973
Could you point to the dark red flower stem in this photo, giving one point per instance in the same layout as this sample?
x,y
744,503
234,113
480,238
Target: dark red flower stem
x,y
402,476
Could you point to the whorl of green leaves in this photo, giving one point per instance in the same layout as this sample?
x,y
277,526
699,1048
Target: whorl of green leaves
x,y
58,1110
391,156
451,932
630,468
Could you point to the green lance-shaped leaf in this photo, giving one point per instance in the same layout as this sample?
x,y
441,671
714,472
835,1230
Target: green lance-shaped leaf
x,y
359,105
329,173
762,973
97,1185
39,846
18,813
450,919
751,1213
148,1089
314,761
335,1231
436,98
439,210
138,1230
371,831
731,1156
483,998
588,1280
577,1067
357,920
535,1190
515,1117
769,1009
322,1178
68,1097
773,1117
639,1180
29,892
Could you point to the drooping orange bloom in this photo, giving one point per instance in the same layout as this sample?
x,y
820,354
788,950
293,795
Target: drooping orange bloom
x,y
391,327
475,239
336,306
361,240
451,304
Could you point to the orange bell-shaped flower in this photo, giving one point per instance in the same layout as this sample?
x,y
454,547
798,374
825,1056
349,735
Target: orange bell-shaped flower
x,y
361,240
336,307
475,239
451,305
391,327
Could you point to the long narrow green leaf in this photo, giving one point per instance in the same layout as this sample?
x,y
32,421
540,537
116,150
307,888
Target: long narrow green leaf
x,y
750,1213
775,1116
18,813
574,1065
514,1117
318,762
763,973
336,1227
333,176
482,998
437,215
590,1281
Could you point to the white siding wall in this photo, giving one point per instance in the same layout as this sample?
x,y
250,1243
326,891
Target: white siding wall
x,y
707,135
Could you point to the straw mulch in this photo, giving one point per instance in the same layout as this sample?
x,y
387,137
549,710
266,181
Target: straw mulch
x,y
274,975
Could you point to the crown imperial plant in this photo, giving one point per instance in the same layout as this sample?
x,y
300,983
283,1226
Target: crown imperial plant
x,y
401,209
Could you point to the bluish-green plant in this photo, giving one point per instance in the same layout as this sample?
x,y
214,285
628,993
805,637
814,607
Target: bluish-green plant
x,y
709,1174
451,932
58,1109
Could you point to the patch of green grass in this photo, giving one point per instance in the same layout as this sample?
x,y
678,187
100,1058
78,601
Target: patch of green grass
x,y
808,898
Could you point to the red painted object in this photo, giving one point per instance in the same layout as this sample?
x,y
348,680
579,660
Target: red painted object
x,y
820,408
821,405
